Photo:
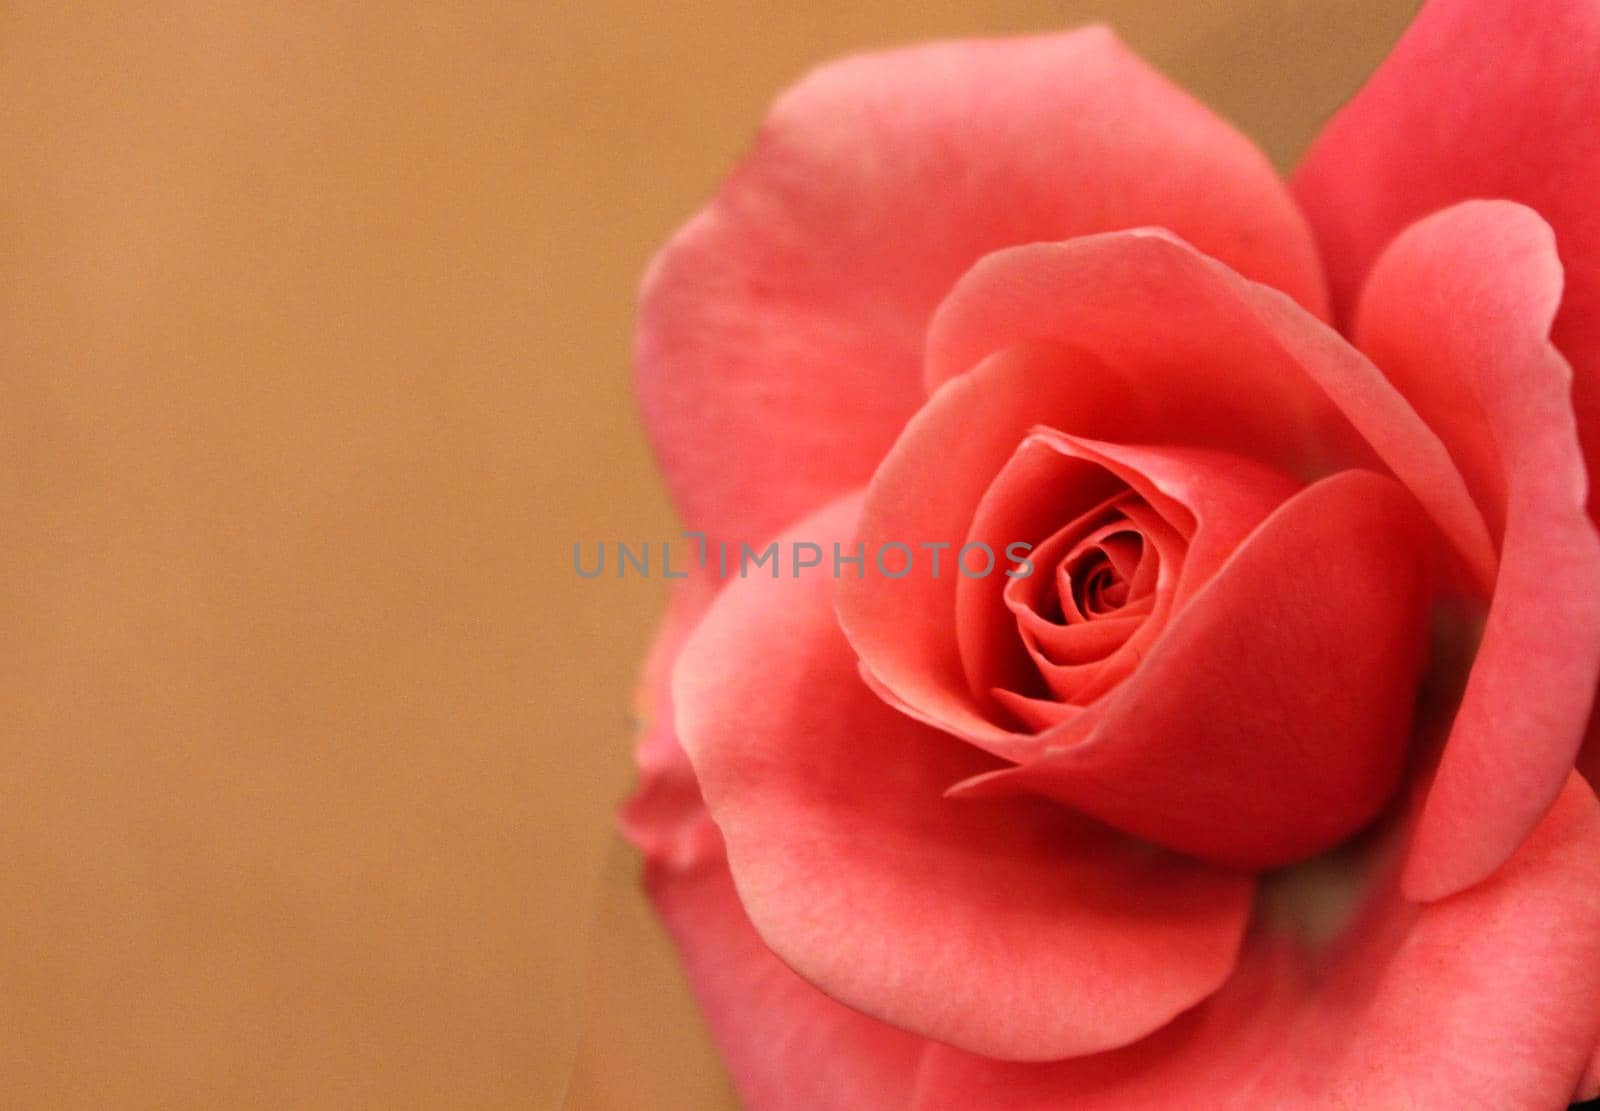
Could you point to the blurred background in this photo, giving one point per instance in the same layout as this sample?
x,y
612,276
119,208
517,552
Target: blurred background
x,y
314,342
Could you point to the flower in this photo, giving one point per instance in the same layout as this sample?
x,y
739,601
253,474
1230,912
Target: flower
x,y
1262,788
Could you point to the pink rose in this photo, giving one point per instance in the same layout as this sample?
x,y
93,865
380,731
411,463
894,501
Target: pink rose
x,y
1263,788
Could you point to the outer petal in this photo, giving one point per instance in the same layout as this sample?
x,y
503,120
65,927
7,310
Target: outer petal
x,y
1485,999
780,332
666,818
1458,312
1481,98
1014,928
772,1027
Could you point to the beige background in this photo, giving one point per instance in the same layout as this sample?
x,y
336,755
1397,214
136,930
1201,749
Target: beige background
x,y
314,330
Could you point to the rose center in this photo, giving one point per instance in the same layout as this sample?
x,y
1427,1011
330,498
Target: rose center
x,y
1094,580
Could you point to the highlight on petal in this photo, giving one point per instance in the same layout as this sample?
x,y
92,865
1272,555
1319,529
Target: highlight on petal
x,y
1488,995
780,332
1013,928
1458,312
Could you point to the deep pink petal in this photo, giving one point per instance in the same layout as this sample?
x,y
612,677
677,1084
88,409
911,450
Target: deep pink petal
x,y
1457,312
1272,718
1481,98
1485,999
780,332
1013,928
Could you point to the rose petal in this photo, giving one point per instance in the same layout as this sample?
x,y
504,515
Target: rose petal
x,y
929,488
1480,98
1457,312
1233,365
1271,719
665,817
770,1026
1084,682
1002,621
780,332
1215,498
1076,645
1483,999
1015,929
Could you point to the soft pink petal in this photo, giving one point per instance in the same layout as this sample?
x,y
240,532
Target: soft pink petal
x,y
770,1026
1485,999
1272,718
780,332
1457,312
1014,928
1481,98
788,1047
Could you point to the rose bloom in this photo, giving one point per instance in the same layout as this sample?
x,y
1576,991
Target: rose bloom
x,y
1268,787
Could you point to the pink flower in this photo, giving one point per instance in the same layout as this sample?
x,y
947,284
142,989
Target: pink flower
x,y
1261,789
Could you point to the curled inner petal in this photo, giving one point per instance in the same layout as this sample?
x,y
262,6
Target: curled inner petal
x,y
1109,620
1271,720
1104,583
